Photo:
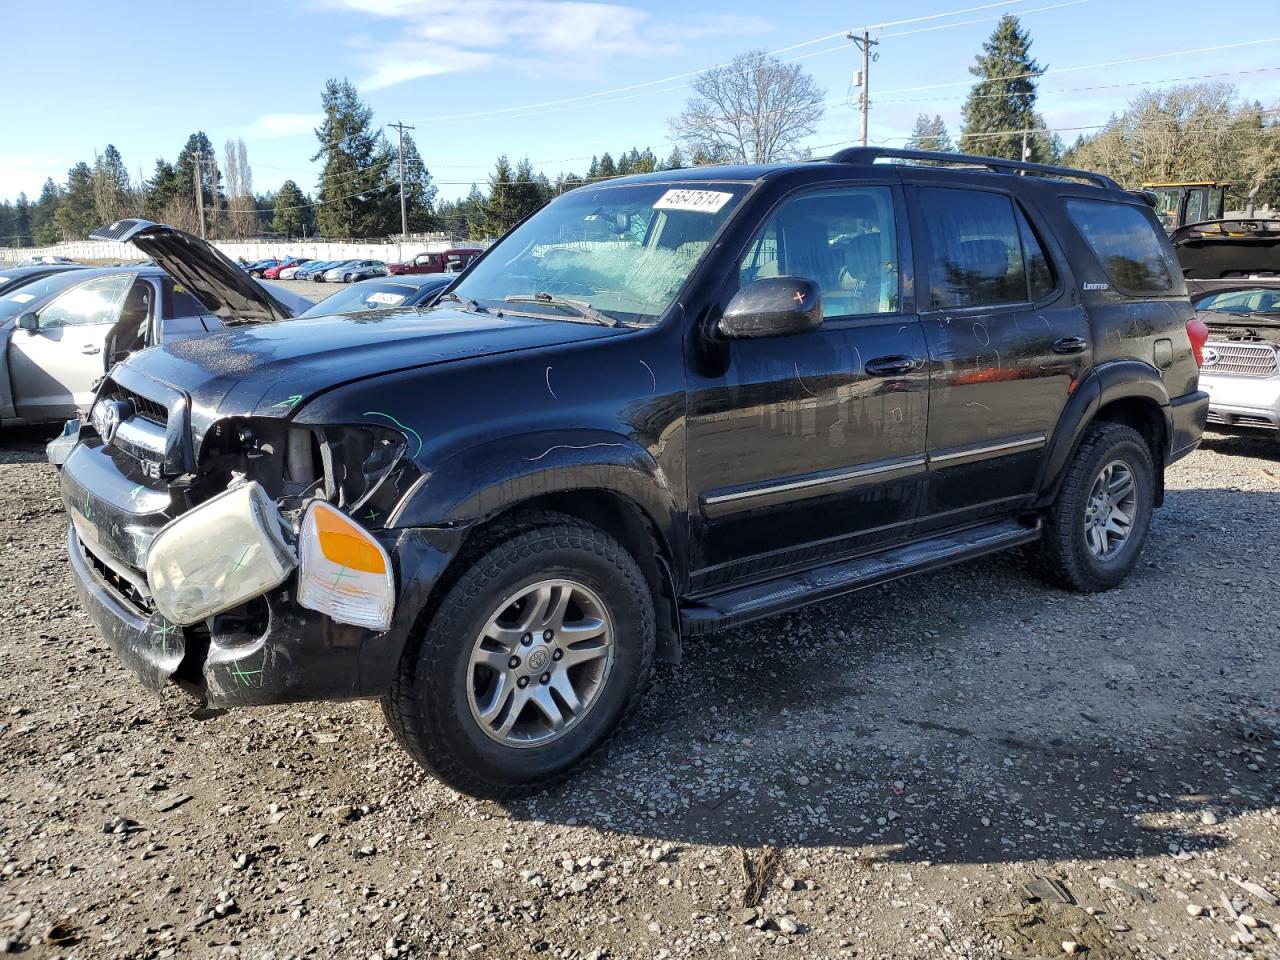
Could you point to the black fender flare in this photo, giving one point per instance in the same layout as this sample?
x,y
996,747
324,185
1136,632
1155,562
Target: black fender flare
x,y
477,483
1105,384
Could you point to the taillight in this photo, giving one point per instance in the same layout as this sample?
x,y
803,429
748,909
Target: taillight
x,y
1198,333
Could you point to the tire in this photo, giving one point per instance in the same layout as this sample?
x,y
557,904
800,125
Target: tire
x,y
1066,555
434,707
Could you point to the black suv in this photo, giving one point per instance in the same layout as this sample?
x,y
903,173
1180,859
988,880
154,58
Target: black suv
x,y
661,406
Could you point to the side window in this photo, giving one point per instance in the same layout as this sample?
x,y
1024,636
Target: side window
x,y
1137,260
1040,280
96,301
183,304
975,249
844,239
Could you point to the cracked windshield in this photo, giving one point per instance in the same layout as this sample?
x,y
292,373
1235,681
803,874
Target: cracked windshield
x,y
612,255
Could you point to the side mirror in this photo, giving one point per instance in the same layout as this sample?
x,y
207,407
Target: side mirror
x,y
773,307
29,321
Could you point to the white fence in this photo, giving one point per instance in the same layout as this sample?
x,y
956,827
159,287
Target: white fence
x,y
390,251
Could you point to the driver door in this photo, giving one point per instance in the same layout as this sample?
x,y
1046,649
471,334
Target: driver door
x,y
54,368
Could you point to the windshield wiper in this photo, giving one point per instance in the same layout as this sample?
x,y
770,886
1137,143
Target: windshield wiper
x,y
583,308
467,302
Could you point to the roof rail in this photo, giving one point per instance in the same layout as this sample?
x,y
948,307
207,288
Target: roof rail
x,y
869,155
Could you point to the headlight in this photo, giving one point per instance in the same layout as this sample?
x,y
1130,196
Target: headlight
x,y
345,573
218,555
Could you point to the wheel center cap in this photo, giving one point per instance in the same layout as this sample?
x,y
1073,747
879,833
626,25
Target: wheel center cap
x,y
539,658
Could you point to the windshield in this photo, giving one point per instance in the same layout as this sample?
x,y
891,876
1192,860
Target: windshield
x,y
375,295
1252,300
624,250
29,296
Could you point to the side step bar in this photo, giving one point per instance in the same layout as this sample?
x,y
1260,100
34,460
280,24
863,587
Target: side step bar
x,y
741,605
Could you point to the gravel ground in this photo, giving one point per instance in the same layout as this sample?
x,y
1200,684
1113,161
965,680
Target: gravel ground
x,y
878,776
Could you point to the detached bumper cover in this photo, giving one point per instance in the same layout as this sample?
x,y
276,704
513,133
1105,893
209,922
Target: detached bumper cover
x,y
1243,401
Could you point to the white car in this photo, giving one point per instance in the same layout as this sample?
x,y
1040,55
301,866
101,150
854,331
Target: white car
x,y
356,270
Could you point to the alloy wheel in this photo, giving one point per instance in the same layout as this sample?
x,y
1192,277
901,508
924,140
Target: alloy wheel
x,y
1110,510
540,663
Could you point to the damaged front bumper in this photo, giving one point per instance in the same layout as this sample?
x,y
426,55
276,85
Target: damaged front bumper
x,y
269,649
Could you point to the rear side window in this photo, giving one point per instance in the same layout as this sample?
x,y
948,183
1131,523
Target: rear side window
x,y
183,304
975,249
1125,242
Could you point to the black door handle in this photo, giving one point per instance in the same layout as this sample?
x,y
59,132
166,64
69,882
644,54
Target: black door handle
x,y
1070,345
890,366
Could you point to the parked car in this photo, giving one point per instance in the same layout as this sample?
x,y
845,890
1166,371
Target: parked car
x,y
259,269
763,390
308,270
320,276
290,273
354,270
453,260
13,277
46,260
1233,273
273,273
382,294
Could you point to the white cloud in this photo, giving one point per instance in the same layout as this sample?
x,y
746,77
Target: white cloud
x,y
25,173
275,126
438,37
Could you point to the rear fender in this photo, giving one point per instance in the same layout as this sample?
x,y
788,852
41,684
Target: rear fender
x,y
1107,383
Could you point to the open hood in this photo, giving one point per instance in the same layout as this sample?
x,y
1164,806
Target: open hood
x,y
209,275
1225,249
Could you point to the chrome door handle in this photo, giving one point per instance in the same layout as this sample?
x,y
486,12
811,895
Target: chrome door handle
x,y
90,349
891,366
1070,345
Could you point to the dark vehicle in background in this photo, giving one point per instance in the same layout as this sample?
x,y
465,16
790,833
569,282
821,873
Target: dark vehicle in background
x,y
1179,204
13,277
308,271
258,269
1233,274
46,260
382,294
661,406
354,270
453,260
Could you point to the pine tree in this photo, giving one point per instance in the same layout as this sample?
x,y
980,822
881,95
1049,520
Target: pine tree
x,y
675,161
7,239
500,208
357,194
1002,104
22,222
42,214
607,167
930,135
112,191
164,187
419,192
77,214
185,174
291,211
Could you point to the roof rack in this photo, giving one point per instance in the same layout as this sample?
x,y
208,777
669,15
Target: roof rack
x,y
866,156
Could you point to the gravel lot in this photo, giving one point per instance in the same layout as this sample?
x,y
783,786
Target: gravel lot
x,y
877,776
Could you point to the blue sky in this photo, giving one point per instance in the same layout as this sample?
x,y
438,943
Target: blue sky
x,y
533,77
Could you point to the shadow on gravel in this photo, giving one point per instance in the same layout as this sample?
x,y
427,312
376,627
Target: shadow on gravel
x,y
26,444
1264,446
969,716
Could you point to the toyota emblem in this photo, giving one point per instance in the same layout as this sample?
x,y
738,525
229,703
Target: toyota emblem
x,y
1211,357
113,415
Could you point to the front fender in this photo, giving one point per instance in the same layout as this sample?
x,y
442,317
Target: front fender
x,y
482,481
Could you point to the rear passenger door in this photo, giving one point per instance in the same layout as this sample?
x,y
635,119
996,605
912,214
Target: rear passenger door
x,y
1007,343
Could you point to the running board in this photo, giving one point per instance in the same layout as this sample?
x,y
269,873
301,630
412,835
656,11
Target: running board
x,y
734,607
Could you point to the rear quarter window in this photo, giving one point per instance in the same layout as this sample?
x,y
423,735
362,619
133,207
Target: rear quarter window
x,y
1133,252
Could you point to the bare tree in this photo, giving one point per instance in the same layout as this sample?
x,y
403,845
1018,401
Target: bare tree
x,y
241,213
756,109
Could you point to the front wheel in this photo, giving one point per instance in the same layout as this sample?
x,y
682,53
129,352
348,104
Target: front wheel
x,y
1094,533
529,662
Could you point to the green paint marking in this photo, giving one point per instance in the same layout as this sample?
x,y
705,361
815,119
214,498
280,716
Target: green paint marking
x,y
341,574
243,675
167,630
87,509
410,430
240,562
133,494
373,515
289,403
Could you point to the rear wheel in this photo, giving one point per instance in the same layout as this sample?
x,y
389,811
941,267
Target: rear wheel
x,y
530,661
1095,531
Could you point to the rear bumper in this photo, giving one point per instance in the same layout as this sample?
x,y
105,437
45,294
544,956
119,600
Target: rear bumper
x,y
1187,415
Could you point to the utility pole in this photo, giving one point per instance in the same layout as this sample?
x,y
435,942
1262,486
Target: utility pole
x,y
865,43
199,193
404,215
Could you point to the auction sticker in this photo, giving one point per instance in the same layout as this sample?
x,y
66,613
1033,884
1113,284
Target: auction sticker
x,y
695,201
387,299
23,297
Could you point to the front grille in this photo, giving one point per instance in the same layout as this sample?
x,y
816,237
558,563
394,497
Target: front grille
x,y
122,587
1244,359
146,409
